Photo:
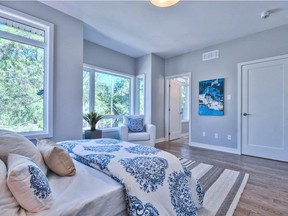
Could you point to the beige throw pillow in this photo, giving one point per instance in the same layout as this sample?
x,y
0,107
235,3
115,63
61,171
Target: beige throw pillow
x,y
11,142
28,184
56,158
8,204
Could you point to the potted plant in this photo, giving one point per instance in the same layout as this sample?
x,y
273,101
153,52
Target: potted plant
x,y
92,118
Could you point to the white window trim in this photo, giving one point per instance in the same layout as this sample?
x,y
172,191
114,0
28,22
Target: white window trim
x,y
48,64
137,101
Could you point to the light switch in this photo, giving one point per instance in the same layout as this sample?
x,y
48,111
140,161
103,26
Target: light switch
x,y
228,97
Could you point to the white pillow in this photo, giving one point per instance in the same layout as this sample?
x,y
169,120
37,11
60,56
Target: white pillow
x,y
28,184
8,204
11,142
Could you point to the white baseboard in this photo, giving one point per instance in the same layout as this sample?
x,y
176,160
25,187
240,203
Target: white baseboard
x,y
184,134
160,140
216,148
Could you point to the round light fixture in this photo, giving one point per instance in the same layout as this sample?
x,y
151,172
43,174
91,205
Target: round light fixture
x,y
265,14
164,3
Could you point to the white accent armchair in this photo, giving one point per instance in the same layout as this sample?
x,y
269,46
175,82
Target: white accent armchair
x,y
148,137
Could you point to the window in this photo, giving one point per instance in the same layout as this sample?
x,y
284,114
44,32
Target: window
x,y
26,45
140,94
107,93
184,97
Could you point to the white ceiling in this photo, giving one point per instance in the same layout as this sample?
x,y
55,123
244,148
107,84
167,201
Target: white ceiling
x,y
136,28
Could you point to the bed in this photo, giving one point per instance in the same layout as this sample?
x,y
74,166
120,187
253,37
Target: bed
x,y
112,178
81,194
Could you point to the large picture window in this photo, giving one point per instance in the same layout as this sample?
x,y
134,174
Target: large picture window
x,y
25,74
107,93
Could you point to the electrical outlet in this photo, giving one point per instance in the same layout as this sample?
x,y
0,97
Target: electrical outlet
x,y
229,137
203,133
216,135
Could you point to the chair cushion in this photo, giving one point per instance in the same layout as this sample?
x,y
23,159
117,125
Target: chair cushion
x,y
142,136
134,123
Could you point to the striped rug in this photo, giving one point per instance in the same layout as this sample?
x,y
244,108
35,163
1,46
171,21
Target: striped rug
x,y
223,187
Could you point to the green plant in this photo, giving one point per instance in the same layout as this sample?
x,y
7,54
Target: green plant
x,y
92,118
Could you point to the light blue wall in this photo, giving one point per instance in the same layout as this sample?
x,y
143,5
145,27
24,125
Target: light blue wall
x,y
68,63
158,95
151,65
103,57
261,45
154,69
143,66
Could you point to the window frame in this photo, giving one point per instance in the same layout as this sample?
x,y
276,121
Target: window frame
x,y
47,45
137,99
93,68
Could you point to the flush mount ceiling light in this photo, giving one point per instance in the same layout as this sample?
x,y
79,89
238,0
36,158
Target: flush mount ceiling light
x,y
164,3
265,14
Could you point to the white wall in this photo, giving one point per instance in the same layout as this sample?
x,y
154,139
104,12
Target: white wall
x,y
68,61
261,45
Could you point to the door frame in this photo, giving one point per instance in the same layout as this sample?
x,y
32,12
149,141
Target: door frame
x,y
239,95
167,97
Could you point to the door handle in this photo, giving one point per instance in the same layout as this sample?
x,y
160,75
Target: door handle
x,y
245,114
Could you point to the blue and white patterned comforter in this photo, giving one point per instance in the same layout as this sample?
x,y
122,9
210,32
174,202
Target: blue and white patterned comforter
x,y
154,180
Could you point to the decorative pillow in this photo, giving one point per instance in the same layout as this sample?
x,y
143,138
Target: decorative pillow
x,y
28,184
56,158
134,123
9,205
11,142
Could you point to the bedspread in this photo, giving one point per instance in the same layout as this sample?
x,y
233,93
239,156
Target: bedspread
x,y
154,180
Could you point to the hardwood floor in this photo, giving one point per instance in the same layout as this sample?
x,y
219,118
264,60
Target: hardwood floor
x,y
266,192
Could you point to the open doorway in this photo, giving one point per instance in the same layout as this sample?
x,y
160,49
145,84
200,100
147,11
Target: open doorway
x,y
177,107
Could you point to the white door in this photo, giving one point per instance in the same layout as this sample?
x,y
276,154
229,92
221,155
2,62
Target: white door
x,y
265,109
175,112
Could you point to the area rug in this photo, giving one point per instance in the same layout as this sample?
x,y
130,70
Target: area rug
x,y
223,187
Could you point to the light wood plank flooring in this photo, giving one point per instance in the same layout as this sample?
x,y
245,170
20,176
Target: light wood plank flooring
x,y
266,192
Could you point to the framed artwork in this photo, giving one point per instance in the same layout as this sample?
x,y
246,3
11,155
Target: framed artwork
x,y
211,97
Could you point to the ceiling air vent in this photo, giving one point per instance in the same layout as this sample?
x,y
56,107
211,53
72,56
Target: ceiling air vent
x,y
210,55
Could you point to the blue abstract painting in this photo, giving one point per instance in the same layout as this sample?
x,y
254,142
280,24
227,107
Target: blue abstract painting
x,y
211,97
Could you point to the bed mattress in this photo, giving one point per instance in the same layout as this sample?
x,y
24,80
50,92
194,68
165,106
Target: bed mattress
x,y
88,193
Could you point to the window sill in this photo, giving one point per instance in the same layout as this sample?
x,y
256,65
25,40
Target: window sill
x,y
35,135
104,130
